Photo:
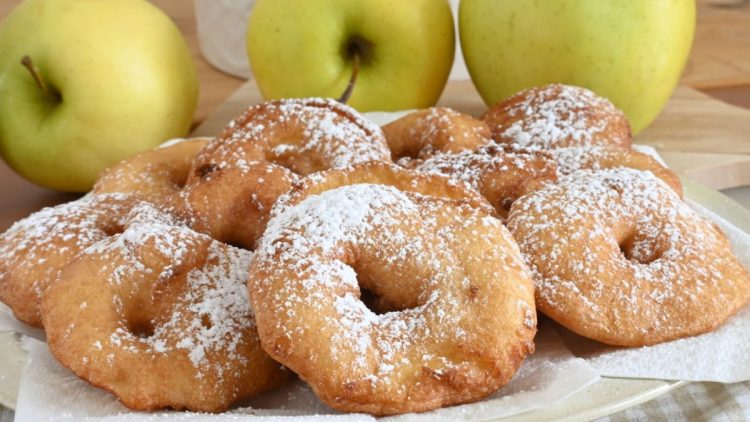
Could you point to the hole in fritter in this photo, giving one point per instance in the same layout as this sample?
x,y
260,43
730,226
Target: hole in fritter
x,y
287,155
180,180
206,322
237,239
205,170
372,301
113,229
503,207
381,296
142,329
639,252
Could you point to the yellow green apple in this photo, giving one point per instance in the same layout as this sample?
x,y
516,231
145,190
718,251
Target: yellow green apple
x,y
86,83
302,48
630,51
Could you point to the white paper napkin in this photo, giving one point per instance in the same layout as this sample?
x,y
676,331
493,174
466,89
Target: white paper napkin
x,y
721,355
51,392
9,323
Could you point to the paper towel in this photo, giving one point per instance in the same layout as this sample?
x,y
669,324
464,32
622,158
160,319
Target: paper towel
x,y
51,392
222,25
9,323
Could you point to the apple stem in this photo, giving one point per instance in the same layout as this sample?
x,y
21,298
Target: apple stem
x,y
28,64
353,80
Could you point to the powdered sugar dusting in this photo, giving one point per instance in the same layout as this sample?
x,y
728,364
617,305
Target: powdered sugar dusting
x,y
572,159
562,115
316,131
472,166
572,235
218,294
393,232
34,249
210,318
438,130
500,176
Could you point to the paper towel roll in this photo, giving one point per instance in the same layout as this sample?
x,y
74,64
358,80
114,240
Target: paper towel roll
x,y
222,25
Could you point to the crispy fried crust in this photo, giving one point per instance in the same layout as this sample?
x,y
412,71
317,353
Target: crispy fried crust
x,y
152,175
159,316
454,305
500,175
555,116
302,135
35,249
231,204
573,159
422,133
236,178
619,258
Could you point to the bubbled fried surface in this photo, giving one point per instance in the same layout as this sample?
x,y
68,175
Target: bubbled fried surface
x,y
236,178
152,175
619,258
572,159
423,133
34,250
501,176
555,116
302,135
455,315
232,203
159,316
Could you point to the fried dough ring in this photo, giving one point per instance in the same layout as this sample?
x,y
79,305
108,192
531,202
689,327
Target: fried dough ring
x,y
34,250
556,116
303,135
152,175
459,305
500,176
236,178
159,316
422,133
619,258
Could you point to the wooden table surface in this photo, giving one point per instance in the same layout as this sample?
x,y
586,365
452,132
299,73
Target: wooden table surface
x,y
719,65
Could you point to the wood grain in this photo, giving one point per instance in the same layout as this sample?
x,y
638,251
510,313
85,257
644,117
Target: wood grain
x,y
721,47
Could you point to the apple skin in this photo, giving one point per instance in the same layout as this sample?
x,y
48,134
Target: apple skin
x,y
298,48
630,51
125,78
